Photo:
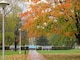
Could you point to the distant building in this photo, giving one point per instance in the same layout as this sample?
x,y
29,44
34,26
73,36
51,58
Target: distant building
x,y
32,47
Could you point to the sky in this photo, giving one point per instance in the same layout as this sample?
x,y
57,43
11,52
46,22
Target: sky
x,y
25,5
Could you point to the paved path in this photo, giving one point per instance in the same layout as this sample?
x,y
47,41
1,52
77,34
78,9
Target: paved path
x,y
34,55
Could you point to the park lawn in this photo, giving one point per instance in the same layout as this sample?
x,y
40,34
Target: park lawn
x,y
61,54
12,52
59,51
12,55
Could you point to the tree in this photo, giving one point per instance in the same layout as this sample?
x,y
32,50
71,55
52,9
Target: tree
x,y
0,29
60,40
24,38
76,4
11,19
59,19
42,41
67,13
35,18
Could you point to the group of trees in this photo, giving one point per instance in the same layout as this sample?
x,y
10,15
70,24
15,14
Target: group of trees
x,y
58,18
12,23
42,41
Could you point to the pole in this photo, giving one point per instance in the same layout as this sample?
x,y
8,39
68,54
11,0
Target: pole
x,y
3,46
25,49
3,4
20,42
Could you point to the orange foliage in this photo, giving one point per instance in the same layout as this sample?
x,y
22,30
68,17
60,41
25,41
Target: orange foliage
x,y
55,1
35,1
69,34
36,16
36,11
62,9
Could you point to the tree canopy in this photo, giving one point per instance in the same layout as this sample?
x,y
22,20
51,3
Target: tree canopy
x,y
45,19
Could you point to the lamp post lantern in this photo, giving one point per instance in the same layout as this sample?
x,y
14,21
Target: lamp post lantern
x,y
20,41
3,4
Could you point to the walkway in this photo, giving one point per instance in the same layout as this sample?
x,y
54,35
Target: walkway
x,y
34,55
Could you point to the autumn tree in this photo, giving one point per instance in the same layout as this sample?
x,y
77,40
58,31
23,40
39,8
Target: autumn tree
x,y
67,13
76,4
36,19
48,19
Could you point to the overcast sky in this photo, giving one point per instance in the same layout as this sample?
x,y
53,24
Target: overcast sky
x,y
25,5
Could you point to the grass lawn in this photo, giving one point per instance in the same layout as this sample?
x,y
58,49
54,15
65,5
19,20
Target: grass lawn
x,y
61,54
12,55
59,51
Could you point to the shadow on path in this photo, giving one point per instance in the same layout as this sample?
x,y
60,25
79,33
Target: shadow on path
x,y
34,55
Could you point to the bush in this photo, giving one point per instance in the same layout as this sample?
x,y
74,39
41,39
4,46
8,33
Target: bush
x,y
61,48
23,48
0,47
8,48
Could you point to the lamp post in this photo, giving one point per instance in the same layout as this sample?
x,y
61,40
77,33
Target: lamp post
x,y
3,4
20,41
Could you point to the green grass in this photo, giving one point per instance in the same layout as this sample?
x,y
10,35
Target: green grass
x,y
48,54
59,51
61,54
12,52
12,55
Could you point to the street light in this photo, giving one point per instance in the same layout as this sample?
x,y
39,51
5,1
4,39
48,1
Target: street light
x,y
3,4
20,41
